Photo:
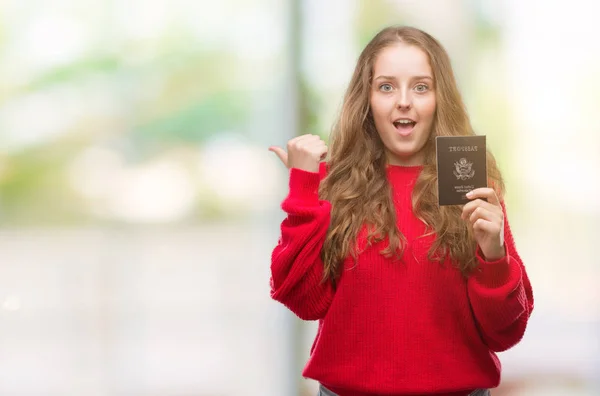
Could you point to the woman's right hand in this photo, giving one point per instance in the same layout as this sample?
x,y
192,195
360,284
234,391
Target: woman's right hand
x,y
303,152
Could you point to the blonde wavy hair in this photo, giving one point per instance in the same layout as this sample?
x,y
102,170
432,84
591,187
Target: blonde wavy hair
x,y
356,184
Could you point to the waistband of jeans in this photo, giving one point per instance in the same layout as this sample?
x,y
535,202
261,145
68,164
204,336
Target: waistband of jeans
x,y
323,391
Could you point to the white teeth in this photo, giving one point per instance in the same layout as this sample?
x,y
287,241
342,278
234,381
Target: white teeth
x,y
404,122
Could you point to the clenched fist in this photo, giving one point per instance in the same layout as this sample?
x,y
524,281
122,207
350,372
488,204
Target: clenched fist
x,y
303,152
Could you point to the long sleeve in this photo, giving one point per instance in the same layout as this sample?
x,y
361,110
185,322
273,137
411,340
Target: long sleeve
x,y
501,296
296,265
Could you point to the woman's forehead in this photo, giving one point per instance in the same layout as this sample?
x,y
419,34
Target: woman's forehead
x,y
402,60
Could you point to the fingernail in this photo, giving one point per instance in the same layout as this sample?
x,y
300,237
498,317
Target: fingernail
x,y
470,193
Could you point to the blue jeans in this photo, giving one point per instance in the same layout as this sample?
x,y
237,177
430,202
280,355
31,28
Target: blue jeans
x,y
478,392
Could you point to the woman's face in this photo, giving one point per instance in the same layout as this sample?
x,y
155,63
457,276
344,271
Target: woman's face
x,y
403,102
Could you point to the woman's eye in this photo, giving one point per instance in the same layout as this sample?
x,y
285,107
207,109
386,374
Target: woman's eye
x,y
421,88
386,87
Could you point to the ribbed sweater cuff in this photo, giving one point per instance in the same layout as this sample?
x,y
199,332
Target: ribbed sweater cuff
x,y
304,186
497,274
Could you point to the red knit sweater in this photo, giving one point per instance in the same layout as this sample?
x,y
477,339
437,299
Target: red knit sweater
x,y
408,327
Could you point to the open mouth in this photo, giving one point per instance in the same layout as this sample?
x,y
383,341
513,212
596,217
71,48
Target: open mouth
x,y
404,125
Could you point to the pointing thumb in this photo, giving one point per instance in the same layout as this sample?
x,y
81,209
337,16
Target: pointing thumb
x,y
281,154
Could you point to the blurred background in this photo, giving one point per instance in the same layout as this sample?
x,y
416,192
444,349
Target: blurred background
x,y
139,204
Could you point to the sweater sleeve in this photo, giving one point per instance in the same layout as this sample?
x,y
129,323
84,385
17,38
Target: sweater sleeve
x,y
501,296
296,265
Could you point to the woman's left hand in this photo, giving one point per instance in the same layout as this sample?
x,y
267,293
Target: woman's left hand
x,y
487,220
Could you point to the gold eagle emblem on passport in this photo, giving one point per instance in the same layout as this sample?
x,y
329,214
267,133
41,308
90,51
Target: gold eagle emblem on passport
x,y
463,169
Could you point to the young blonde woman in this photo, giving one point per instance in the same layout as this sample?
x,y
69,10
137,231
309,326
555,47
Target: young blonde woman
x,y
411,298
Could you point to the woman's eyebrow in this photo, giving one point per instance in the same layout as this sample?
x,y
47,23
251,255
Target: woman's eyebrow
x,y
385,78
413,78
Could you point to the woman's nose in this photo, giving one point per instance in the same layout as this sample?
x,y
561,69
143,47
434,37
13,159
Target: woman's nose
x,y
404,101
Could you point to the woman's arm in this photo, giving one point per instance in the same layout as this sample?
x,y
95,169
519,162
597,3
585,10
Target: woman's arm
x,y
296,265
501,295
